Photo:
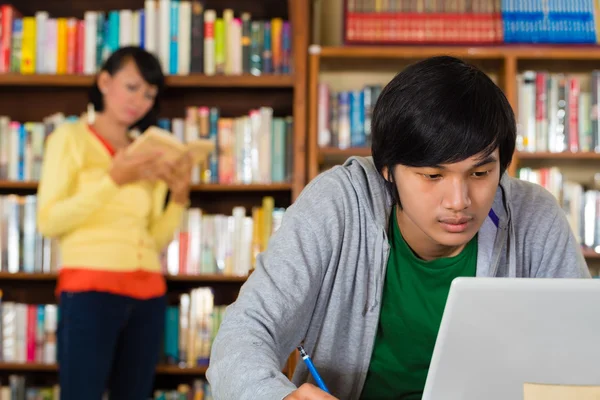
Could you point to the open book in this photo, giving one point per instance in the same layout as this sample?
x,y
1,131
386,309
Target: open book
x,y
157,139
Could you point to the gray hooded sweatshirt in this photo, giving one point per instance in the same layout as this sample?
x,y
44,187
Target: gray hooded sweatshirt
x,y
321,279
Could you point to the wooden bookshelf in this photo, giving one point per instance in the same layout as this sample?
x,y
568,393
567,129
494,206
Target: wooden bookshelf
x,y
187,81
200,279
549,156
210,187
33,97
504,59
39,367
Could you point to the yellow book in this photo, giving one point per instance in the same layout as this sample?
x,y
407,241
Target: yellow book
x,y
28,46
220,46
61,46
157,139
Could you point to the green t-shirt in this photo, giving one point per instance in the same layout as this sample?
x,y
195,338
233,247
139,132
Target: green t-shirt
x,y
414,296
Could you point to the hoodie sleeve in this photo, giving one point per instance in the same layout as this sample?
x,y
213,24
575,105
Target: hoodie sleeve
x,y
271,314
561,256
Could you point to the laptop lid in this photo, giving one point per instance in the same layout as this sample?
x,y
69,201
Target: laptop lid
x,y
497,334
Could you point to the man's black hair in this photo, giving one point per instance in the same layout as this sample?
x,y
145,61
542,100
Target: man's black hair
x,y
437,111
149,68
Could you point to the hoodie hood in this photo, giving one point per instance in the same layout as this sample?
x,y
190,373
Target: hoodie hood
x,y
370,186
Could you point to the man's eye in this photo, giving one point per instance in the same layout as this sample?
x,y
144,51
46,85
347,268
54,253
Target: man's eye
x,y
432,177
481,174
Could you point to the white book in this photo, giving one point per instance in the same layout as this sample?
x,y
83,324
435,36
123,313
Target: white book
x,y
150,31
233,64
40,32
184,43
50,325
209,42
9,332
164,33
90,38
51,46
125,25
135,28
264,149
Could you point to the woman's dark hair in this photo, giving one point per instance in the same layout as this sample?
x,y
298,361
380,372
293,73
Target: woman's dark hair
x,y
149,68
437,111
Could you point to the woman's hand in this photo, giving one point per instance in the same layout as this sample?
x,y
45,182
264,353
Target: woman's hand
x,y
177,176
127,168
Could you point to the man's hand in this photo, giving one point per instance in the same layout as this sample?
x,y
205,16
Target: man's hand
x,y
309,392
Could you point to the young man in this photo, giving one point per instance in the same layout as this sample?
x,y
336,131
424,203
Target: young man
x,y
361,266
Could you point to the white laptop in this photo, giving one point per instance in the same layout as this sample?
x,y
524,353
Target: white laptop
x,y
499,333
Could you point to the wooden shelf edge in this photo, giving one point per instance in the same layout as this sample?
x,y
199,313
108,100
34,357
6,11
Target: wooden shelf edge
x,y
175,81
51,276
39,367
523,52
590,254
161,369
546,155
212,187
250,187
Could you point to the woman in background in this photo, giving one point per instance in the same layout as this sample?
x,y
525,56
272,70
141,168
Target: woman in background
x,y
108,211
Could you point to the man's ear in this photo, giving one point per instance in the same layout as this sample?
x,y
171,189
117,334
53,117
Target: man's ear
x,y
385,171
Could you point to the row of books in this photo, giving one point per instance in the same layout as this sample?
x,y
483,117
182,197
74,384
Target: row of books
x,y
470,22
18,387
185,37
344,117
253,148
222,244
204,244
199,390
28,332
22,247
581,203
190,329
558,112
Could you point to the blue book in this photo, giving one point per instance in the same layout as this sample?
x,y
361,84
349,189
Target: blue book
x,y
172,335
173,53
357,118
213,133
142,28
113,31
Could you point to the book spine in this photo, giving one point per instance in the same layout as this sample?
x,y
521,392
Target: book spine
x,y
174,38
209,42
197,56
246,42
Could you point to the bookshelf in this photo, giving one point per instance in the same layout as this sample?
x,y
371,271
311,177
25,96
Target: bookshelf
x,y
348,67
173,81
32,97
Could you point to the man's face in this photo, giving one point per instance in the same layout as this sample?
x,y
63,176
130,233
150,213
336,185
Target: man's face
x,y
445,205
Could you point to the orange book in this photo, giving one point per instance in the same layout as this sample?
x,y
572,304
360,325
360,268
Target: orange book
x,y
61,46
276,30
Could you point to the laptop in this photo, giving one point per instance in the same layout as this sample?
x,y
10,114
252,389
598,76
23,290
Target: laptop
x,y
497,334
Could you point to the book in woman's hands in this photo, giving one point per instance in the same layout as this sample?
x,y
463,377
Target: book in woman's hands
x,y
155,139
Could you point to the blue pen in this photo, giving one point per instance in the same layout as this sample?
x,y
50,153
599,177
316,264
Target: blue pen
x,y
312,369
